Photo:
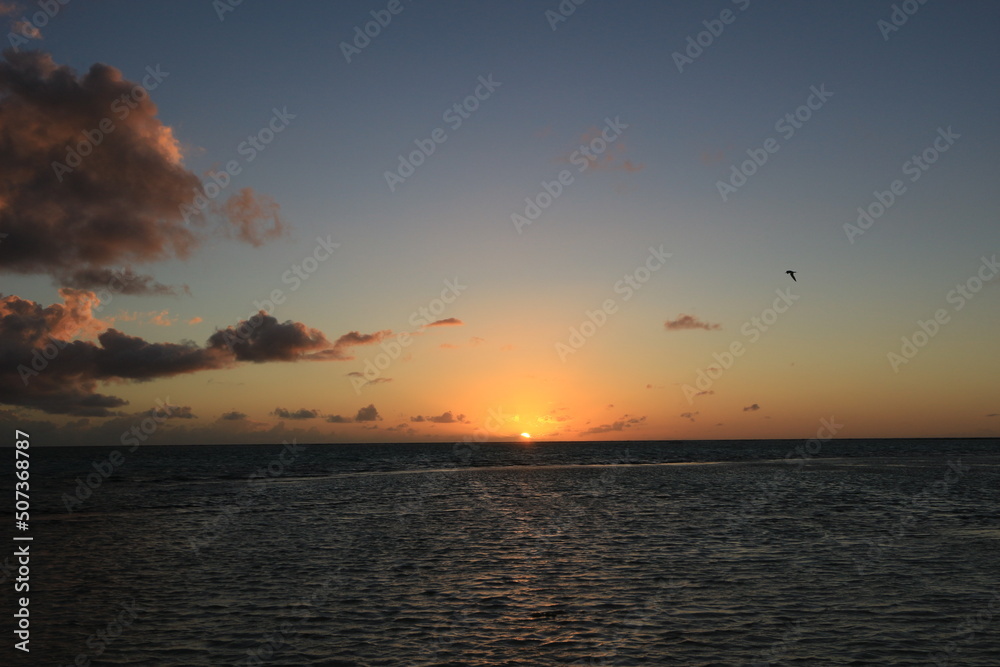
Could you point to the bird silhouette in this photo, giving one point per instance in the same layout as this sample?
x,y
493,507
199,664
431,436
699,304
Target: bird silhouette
x,y
792,274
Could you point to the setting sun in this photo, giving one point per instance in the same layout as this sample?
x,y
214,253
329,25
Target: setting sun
x,y
526,435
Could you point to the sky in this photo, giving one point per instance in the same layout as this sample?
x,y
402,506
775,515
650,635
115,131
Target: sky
x,y
415,221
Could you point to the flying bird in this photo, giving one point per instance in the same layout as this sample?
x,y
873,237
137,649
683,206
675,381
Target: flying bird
x,y
792,274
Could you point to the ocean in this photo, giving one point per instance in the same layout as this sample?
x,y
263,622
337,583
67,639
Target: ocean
x,y
847,552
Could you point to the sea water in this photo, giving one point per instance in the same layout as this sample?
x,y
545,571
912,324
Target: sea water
x,y
878,552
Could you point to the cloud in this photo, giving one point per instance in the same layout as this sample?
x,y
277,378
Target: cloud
x,y
751,408
194,320
119,281
26,29
170,412
353,338
159,318
253,218
263,338
42,367
551,419
447,322
449,346
709,157
609,159
77,200
162,319
689,322
994,414
303,413
707,392
337,419
444,418
368,414
378,380
620,425
233,416
688,415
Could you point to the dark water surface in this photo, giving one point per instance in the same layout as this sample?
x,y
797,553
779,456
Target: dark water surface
x,y
711,553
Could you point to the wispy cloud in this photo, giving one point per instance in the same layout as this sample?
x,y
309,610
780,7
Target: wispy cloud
x,y
620,425
689,322
447,322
